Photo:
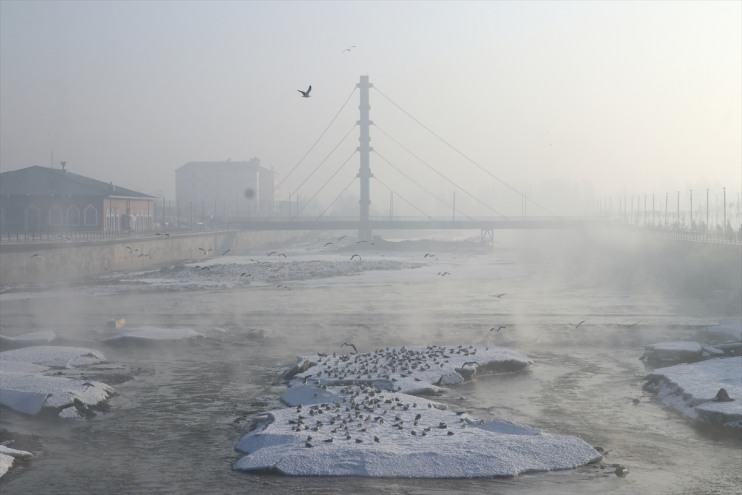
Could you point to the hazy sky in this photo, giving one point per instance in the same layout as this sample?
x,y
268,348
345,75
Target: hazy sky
x,y
602,98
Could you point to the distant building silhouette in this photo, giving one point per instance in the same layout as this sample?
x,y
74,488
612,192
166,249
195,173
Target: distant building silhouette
x,y
226,189
44,199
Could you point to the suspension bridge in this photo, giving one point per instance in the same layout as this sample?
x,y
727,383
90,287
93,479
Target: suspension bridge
x,y
365,224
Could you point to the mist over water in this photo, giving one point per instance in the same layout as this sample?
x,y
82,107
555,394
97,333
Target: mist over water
x,y
181,407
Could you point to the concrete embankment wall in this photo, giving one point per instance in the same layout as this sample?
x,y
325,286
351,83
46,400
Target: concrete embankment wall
x,y
52,262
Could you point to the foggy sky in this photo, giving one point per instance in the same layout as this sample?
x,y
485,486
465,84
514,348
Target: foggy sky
x,y
591,98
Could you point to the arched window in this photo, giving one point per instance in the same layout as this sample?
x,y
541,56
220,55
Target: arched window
x,y
55,216
33,218
91,216
73,216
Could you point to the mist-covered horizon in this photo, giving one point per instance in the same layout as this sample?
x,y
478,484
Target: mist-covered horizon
x,y
567,102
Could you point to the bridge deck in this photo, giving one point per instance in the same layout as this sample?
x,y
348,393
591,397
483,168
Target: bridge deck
x,y
516,224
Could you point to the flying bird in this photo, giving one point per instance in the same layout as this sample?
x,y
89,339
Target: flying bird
x,y
429,255
443,274
356,256
272,252
349,49
327,244
348,344
225,252
578,324
305,94
632,325
493,329
499,295
342,237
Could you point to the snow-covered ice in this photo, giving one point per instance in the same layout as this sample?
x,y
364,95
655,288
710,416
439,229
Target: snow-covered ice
x,y
153,333
410,369
692,388
354,415
25,388
679,352
41,337
726,331
8,456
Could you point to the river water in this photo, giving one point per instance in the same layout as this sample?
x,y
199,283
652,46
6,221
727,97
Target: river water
x,y
181,407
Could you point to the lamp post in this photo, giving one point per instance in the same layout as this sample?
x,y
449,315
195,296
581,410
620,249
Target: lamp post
x,y
667,198
707,213
725,212
678,211
691,210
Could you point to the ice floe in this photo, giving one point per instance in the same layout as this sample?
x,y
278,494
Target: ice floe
x,y
152,333
666,353
725,331
410,369
8,456
25,388
42,337
694,390
355,415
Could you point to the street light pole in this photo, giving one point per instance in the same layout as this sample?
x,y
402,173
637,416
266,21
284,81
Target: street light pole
x,y
691,210
678,211
725,212
707,212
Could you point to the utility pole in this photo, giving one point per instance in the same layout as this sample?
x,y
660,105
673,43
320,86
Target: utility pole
x,y
364,149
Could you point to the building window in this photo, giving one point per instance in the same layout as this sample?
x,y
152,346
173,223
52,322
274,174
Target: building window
x,y
33,219
91,216
55,216
73,216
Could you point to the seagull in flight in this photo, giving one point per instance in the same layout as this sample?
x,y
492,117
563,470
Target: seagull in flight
x,y
499,295
578,324
350,345
493,329
354,256
305,94
632,325
349,49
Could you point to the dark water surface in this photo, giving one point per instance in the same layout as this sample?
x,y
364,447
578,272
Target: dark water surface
x,y
181,407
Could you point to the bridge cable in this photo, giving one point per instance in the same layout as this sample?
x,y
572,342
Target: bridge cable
x,y
440,174
417,183
462,153
326,182
403,198
337,197
325,158
318,139
315,169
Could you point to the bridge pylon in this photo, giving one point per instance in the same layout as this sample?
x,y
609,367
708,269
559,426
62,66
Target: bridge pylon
x,y
364,149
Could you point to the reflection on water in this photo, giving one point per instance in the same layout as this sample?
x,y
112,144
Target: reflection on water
x,y
173,426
